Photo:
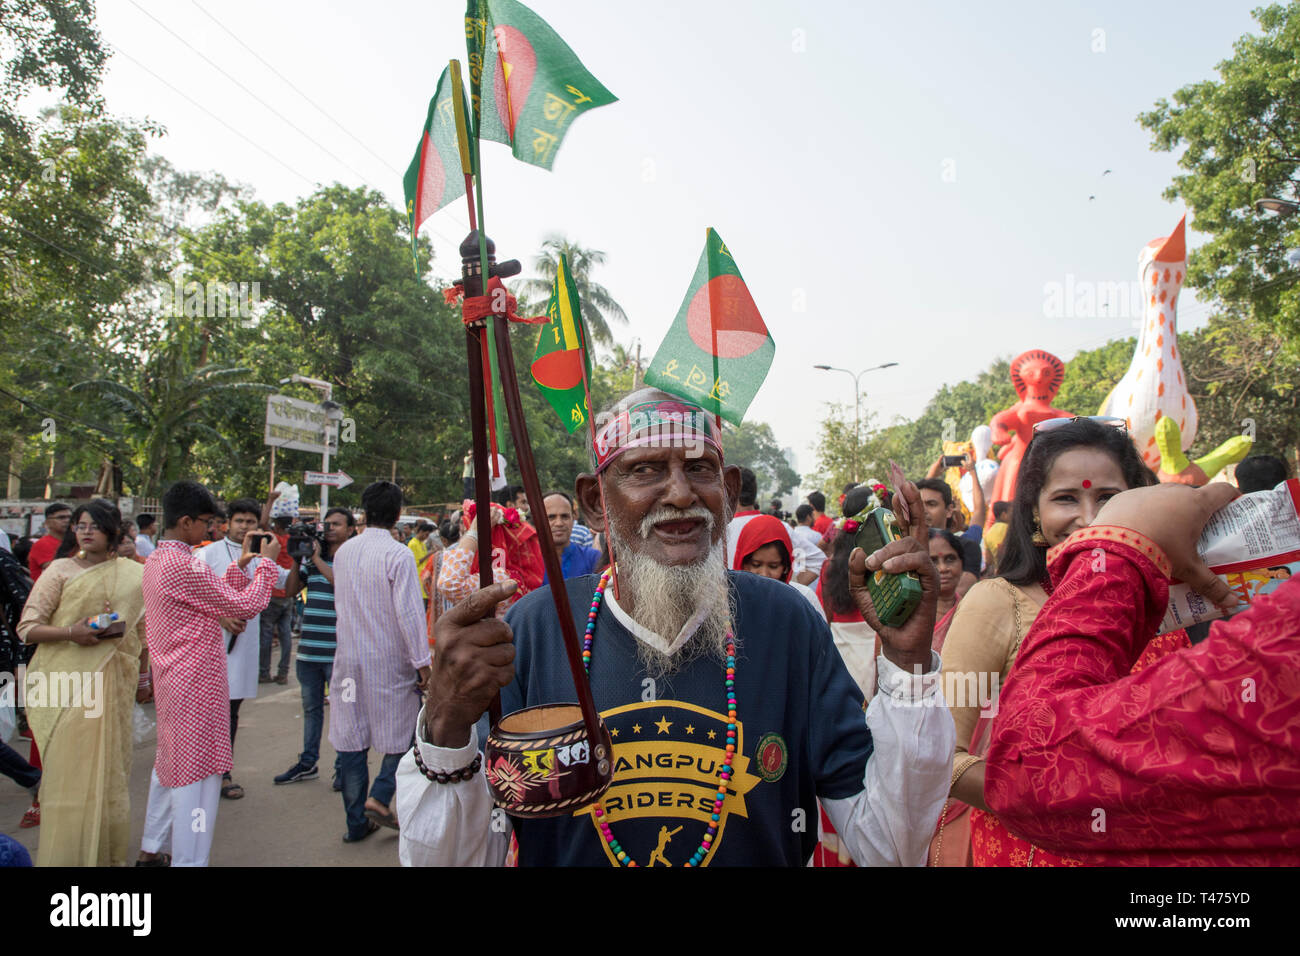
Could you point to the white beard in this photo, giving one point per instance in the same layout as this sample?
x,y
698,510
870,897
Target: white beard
x,y
668,598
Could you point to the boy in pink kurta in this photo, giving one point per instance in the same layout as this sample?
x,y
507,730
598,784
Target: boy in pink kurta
x,y
188,657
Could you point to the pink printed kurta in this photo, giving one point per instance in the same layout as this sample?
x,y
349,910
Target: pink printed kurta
x,y
183,598
381,645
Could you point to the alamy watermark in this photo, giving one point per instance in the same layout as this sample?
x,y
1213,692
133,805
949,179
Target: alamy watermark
x,y
1077,298
59,689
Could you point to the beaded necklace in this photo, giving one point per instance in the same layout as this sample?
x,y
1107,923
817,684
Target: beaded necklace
x,y
724,774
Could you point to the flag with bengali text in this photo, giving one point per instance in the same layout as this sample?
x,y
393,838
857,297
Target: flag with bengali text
x,y
435,177
718,349
534,85
562,355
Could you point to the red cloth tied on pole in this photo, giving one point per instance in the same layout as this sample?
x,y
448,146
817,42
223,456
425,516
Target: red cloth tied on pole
x,y
498,301
515,542
475,309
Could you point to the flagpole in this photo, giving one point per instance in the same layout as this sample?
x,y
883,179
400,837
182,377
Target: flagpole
x,y
713,328
591,424
479,397
483,266
462,139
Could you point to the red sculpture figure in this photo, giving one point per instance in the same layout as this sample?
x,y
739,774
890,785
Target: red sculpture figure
x,y
1037,377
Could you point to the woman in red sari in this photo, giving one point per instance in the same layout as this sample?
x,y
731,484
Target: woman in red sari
x,y
1071,468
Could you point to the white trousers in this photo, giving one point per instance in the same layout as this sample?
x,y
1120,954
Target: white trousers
x,y
182,818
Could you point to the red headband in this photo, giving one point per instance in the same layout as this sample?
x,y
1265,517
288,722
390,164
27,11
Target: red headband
x,y
665,423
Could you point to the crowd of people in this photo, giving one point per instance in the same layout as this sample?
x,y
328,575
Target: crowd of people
x,y
759,709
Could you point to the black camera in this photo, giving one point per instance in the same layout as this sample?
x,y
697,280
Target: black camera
x,y
301,537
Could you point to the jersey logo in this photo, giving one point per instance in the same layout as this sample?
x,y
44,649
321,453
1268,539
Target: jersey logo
x,y
771,757
667,755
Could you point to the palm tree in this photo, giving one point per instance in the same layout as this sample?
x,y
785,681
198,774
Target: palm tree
x,y
598,305
172,406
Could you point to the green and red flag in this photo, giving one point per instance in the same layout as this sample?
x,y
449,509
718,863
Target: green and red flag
x,y
534,85
562,358
435,176
718,349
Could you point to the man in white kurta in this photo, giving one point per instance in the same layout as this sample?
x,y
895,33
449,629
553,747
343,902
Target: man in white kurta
x,y
241,637
381,659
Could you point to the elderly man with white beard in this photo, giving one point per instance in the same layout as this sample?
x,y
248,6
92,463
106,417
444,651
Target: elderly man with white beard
x,y
730,710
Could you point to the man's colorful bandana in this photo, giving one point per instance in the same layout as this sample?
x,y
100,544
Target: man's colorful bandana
x,y
668,423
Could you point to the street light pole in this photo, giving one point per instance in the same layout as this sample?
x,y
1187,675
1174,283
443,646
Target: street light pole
x,y
857,404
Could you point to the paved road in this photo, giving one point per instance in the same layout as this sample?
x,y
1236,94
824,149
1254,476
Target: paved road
x,y
300,824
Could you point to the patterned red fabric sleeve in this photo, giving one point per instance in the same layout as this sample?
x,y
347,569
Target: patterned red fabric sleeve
x,y
1190,761
231,595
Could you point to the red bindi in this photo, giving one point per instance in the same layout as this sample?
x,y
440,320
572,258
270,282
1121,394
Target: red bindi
x,y
1087,483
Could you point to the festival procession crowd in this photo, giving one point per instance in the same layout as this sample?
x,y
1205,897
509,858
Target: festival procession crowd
x,y
1065,644
760,711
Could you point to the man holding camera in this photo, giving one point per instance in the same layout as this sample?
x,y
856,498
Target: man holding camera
x,y
315,662
241,636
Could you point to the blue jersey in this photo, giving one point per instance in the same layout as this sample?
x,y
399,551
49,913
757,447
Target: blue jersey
x,y
801,733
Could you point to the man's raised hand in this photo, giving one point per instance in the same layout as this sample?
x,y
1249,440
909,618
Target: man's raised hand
x,y
907,646
474,657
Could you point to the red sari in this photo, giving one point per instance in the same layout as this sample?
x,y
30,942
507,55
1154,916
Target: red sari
x,y
1193,758
992,844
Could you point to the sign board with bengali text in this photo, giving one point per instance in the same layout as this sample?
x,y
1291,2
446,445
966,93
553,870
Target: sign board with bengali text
x,y
293,423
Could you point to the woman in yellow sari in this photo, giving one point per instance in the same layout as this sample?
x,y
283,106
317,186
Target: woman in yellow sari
x,y
81,690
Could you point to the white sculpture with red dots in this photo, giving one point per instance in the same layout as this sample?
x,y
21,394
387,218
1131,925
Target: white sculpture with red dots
x,y
1154,385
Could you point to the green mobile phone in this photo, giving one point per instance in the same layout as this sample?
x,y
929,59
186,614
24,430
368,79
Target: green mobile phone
x,y
894,596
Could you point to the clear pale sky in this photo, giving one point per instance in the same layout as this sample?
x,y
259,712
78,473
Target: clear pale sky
x,y
911,175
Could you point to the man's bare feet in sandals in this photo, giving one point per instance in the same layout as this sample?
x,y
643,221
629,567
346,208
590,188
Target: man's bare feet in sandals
x,y
380,814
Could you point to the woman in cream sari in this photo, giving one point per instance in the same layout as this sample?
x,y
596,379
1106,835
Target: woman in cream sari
x,y
1070,468
81,690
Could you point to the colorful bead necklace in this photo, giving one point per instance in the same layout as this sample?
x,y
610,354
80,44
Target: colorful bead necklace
x,y
724,774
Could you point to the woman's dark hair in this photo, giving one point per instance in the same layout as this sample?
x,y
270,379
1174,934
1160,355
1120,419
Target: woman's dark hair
x,y
953,541
1020,561
106,518
835,587
781,550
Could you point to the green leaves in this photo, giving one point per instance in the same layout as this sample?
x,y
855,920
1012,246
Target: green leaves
x,y
1240,136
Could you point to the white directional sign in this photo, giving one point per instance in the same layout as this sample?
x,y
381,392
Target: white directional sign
x,y
335,479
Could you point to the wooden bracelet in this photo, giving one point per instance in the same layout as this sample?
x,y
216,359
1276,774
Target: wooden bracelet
x,y
455,776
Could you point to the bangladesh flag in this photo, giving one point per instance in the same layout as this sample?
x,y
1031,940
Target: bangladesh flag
x,y
435,177
562,355
718,350
534,86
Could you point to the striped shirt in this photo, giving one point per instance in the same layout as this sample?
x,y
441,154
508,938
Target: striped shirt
x,y
318,618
